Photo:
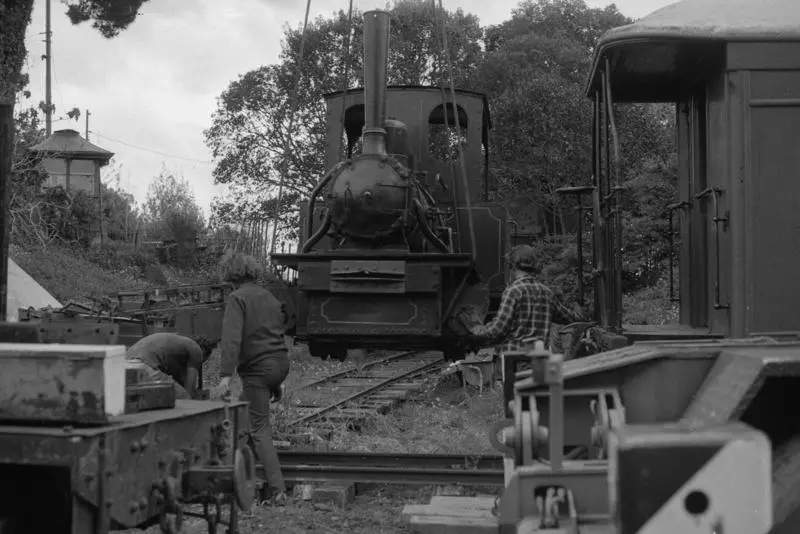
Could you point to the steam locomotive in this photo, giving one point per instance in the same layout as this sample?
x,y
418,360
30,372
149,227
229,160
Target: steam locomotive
x,y
404,237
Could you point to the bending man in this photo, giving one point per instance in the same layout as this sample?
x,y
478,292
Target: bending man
x,y
178,357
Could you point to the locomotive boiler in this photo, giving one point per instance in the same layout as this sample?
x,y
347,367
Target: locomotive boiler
x,y
404,237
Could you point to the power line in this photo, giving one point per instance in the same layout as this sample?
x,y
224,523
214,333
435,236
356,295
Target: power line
x,y
150,150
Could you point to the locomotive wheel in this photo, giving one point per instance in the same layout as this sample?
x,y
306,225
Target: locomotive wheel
x,y
338,353
318,350
453,355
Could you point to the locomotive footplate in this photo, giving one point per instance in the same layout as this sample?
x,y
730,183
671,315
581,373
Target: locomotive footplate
x,y
138,471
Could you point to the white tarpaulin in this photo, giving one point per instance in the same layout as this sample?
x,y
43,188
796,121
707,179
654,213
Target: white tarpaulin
x,y
24,292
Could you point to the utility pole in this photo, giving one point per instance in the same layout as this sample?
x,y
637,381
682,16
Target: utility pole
x,y
47,94
6,156
87,122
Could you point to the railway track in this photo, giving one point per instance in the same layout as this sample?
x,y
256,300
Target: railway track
x,y
383,468
356,393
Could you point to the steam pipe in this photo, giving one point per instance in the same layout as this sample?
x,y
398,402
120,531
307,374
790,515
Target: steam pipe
x,y
319,234
312,199
376,56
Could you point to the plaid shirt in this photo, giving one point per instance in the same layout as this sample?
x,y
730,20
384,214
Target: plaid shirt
x,y
527,309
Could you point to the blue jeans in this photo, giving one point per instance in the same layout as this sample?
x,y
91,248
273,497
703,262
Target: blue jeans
x,y
259,378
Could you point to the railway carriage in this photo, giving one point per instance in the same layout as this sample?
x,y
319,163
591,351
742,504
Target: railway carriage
x,y
732,69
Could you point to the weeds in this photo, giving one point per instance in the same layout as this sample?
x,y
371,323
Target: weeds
x,y
651,305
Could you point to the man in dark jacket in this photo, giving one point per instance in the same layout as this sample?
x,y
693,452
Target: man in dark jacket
x,y
253,345
178,357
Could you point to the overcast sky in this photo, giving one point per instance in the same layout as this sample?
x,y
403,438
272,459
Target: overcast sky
x,y
151,90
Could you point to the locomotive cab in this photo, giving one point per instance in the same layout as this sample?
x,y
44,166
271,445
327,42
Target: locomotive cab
x,y
399,235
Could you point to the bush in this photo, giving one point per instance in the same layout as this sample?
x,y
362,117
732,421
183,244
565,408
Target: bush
x,y
644,301
119,256
67,274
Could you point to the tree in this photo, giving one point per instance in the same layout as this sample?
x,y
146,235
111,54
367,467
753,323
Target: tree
x,y
171,209
534,73
109,17
272,120
122,216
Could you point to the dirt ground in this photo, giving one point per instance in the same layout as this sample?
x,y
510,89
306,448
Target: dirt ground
x,y
443,418
377,509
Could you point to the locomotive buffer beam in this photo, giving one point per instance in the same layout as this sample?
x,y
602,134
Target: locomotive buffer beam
x,y
294,261
358,298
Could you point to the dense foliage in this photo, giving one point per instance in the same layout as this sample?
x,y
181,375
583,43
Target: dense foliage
x,y
172,214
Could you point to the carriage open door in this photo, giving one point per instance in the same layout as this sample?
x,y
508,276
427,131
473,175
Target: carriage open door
x,y
732,69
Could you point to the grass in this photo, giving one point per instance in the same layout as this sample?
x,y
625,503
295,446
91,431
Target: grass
x,y
76,274
651,306
67,276
376,510
442,418
441,414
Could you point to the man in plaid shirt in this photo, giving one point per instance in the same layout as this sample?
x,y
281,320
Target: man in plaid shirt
x,y
527,307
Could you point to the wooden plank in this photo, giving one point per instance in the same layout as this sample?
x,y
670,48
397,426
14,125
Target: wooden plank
x,y
412,510
446,506
449,510
423,524
77,384
484,502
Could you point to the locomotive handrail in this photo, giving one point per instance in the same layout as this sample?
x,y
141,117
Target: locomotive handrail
x,y
714,193
617,239
312,200
578,192
671,210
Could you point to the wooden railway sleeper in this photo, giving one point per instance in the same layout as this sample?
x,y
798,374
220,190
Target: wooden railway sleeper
x,y
714,193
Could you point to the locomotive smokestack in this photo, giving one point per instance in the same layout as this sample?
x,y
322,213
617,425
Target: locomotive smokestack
x,y
376,57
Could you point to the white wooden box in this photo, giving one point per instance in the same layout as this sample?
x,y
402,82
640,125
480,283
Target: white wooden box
x,y
65,384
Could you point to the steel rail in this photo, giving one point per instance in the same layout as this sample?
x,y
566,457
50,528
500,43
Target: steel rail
x,y
342,374
380,459
363,393
389,475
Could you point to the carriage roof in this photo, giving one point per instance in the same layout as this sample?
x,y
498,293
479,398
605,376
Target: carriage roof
x,y
655,57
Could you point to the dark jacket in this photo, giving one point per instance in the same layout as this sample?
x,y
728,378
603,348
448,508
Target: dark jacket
x,y
252,328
